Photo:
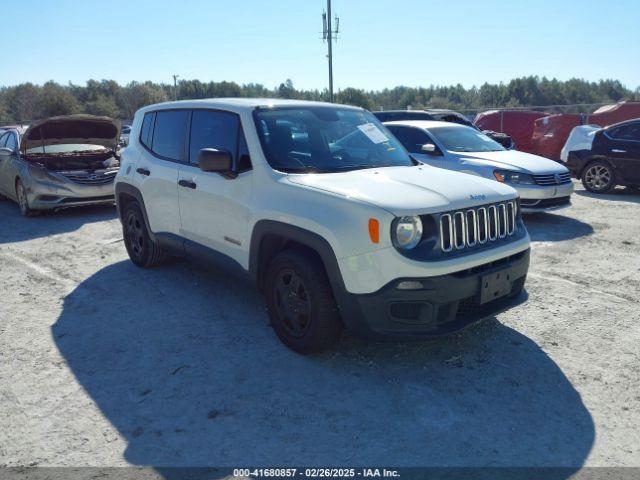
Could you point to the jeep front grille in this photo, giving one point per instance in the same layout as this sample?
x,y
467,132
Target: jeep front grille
x,y
477,226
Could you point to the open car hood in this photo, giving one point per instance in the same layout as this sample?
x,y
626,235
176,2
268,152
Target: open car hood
x,y
72,129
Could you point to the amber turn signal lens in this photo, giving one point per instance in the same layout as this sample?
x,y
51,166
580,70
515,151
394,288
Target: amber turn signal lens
x,y
374,230
499,176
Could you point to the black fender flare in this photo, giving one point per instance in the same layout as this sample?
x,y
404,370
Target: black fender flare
x,y
263,228
130,190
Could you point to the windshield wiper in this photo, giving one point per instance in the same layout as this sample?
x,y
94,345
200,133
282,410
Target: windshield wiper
x,y
356,167
300,169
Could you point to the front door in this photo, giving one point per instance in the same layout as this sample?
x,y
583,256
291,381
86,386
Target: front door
x,y
214,208
7,165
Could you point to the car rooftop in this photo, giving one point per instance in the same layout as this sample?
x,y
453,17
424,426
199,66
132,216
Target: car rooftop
x,y
624,122
425,123
244,103
400,111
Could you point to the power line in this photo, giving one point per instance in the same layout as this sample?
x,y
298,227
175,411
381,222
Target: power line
x,y
329,35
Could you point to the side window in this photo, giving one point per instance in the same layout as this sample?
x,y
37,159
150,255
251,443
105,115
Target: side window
x,y
630,131
211,129
411,138
145,131
3,140
12,143
169,134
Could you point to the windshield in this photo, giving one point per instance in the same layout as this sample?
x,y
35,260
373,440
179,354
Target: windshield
x,y
465,139
326,139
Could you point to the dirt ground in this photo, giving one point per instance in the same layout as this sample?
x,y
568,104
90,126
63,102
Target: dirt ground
x,y
105,364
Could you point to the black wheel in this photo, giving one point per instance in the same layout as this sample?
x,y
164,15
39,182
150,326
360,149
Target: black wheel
x,y
300,302
598,177
23,201
142,251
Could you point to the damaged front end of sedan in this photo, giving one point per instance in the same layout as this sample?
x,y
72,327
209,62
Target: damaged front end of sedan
x,y
68,161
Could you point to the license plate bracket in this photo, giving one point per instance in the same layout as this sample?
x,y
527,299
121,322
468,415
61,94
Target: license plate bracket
x,y
495,285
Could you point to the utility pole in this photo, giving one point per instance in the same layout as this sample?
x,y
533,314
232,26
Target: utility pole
x,y
175,86
329,35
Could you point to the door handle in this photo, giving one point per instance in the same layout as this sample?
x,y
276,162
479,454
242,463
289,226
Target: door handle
x,y
143,171
617,150
187,184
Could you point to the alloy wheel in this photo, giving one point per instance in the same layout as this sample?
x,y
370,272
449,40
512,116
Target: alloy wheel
x,y
23,202
292,303
598,177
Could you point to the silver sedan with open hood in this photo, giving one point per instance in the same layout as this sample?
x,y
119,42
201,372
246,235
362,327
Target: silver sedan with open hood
x,y
60,162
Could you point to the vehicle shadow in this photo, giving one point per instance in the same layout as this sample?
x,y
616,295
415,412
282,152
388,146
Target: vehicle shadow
x,y
183,363
551,227
16,228
618,194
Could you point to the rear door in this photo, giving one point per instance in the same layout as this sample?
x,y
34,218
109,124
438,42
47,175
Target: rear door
x,y
624,151
163,136
214,209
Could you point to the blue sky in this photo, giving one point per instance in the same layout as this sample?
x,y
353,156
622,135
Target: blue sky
x,y
382,43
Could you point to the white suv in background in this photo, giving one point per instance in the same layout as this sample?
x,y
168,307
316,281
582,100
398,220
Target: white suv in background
x,y
329,214
543,184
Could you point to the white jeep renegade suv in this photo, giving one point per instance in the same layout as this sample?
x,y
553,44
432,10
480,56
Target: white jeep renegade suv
x,y
337,224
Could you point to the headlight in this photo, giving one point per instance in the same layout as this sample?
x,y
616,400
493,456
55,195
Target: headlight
x,y
41,173
508,176
407,232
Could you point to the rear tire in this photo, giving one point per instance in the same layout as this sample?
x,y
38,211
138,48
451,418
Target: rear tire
x,y
300,302
23,200
598,177
142,250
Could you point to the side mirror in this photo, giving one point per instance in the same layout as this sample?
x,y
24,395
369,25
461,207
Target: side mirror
x,y
212,160
6,152
429,148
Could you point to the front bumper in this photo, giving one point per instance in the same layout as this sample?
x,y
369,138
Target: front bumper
x,y
45,195
443,305
536,198
575,164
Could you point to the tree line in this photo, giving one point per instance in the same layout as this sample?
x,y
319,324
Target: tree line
x,y
27,102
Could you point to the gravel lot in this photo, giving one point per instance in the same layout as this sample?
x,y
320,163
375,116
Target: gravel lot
x,y
104,364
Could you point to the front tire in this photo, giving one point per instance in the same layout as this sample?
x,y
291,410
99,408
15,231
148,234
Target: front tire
x,y
23,200
142,250
598,177
300,302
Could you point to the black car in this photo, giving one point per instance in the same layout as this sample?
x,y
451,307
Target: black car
x,y
442,115
614,158
393,115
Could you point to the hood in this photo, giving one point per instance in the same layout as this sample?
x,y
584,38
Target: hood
x,y
409,190
72,129
514,160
